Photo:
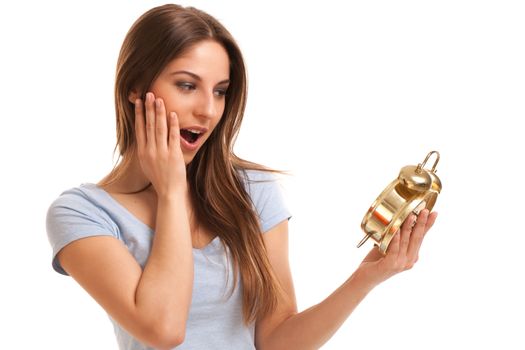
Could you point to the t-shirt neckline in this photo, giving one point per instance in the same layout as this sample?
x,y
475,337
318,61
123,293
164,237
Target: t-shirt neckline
x,y
215,242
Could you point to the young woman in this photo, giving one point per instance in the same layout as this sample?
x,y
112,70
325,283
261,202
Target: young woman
x,y
184,244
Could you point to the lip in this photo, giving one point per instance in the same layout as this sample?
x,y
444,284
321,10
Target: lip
x,y
196,127
193,146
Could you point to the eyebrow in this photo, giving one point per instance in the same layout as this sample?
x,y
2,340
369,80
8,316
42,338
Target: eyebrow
x,y
196,77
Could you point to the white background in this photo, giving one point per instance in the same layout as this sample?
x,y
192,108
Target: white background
x,y
342,96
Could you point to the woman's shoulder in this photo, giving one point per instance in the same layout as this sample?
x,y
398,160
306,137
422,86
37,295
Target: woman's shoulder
x,y
256,182
73,215
84,203
265,191
82,196
253,176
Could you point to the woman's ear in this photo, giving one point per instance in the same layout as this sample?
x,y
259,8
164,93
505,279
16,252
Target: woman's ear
x,y
133,95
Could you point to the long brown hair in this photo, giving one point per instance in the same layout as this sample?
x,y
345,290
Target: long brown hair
x,y
221,203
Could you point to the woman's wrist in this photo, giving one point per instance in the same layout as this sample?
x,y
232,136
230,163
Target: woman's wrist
x,y
363,280
173,194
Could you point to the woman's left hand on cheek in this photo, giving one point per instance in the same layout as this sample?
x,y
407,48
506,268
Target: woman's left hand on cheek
x,y
403,251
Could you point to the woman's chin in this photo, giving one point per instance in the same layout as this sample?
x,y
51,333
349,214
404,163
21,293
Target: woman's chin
x,y
188,157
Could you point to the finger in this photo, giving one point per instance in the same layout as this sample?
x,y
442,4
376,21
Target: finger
x,y
161,125
406,231
393,247
418,233
421,221
174,134
150,122
431,220
140,133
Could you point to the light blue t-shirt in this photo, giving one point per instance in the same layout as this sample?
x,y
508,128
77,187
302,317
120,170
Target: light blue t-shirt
x,y
215,319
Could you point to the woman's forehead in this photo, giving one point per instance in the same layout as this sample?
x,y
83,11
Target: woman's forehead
x,y
206,59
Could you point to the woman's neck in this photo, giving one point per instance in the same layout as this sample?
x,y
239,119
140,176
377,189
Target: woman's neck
x,y
132,179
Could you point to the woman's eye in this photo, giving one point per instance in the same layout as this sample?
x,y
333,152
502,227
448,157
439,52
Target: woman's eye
x,y
221,92
186,86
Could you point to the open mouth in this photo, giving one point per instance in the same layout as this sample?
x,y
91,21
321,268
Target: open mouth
x,y
190,135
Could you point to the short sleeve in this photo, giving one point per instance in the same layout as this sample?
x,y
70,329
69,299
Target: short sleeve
x,y
73,216
266,195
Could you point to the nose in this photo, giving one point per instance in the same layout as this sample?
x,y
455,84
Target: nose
x,y
207,105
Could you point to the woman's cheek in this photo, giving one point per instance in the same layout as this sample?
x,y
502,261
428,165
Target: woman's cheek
x,y
179,107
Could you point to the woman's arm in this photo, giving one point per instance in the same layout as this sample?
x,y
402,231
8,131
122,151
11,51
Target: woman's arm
x,y
310,329
153,304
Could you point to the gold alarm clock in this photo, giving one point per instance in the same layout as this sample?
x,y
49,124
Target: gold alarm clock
x,y
415,189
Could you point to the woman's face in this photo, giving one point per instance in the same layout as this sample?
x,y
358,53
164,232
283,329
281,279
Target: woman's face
x,y
194,86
